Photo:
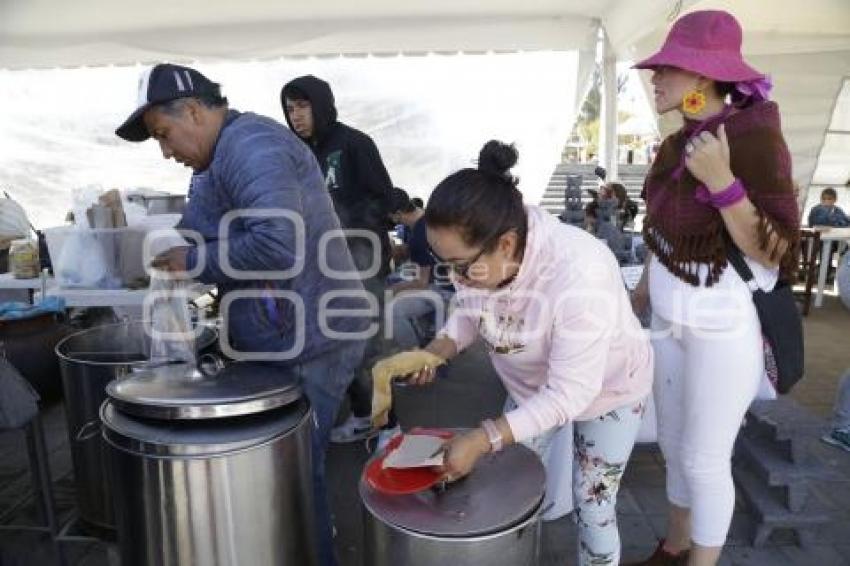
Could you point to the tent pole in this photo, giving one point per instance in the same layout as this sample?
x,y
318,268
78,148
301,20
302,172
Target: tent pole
x,y
608,116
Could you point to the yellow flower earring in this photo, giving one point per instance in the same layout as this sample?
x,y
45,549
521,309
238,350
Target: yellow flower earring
x,y
693,102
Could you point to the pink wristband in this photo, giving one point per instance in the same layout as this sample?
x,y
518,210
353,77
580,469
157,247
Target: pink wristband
x,y
727,197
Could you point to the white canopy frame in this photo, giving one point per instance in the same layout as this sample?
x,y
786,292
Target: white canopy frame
x,y
805,47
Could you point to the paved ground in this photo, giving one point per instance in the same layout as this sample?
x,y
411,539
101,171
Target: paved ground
x,y
827,333
469,393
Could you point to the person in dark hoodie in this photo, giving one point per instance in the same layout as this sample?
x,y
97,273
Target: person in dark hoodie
x,y
360,188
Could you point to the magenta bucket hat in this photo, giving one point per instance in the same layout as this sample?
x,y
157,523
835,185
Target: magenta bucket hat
x,y
707,42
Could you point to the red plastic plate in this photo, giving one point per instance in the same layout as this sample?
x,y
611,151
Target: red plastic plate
x,y
394,481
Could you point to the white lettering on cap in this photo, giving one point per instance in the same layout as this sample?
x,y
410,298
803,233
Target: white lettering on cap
x,y
179,82
144,79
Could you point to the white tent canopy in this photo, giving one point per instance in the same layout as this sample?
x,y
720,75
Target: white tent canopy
x,y
804,46
51,33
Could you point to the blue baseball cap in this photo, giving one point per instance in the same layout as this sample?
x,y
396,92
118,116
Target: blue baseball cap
x,y
159,84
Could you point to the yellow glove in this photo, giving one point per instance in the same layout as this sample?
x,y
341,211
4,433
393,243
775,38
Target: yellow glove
x,y
385,370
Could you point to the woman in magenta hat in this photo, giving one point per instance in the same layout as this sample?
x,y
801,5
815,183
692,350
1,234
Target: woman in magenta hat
x,y
722,181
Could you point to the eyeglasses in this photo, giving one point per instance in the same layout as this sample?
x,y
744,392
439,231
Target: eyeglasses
x,y
461,267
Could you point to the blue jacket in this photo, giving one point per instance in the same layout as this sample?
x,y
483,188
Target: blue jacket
x,y
822,215
259,165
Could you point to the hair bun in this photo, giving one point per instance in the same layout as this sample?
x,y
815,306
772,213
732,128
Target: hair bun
x,y
497,158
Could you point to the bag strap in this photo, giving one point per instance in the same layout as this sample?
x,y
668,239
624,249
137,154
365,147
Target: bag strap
x,y
736,258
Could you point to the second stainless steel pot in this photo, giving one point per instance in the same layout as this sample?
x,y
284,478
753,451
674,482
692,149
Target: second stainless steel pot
x,y
89,360
490,517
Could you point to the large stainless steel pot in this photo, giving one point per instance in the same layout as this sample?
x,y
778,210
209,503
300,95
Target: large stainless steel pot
x,y
211,471
89,360
490,517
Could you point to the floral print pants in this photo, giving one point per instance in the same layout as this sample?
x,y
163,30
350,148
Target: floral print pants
x,y
601,449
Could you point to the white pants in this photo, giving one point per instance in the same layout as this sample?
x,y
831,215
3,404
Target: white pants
x,y
704,382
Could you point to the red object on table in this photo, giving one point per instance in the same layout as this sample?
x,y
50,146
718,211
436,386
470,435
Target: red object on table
x,y
403,481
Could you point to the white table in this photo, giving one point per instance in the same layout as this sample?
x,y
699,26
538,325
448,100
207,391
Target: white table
x,y
77,297
828,237
82,298
111,297
8,281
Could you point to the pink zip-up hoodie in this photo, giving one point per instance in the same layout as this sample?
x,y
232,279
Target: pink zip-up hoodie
x,y
562,335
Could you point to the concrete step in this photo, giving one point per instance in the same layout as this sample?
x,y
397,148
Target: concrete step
x,y
555,182
785,421
588,168
559,191
772,465
770,513
594,183
769,462
621,178
559,200
631,176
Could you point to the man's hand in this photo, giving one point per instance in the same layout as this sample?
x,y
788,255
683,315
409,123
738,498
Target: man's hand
x,y
172,260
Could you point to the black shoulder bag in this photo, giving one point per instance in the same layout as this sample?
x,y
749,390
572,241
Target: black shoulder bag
x,y
781,324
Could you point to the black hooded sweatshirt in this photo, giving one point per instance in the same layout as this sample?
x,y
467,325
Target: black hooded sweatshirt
x,y
355,176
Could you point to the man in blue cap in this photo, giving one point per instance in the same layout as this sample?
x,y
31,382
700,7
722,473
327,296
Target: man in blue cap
x,y
258,200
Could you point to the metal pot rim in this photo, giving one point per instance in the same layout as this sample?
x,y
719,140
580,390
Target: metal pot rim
x,y
534,515
211,332
167,450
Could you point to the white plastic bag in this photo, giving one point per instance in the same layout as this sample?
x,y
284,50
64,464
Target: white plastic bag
x,y
81,263
13,219
168,319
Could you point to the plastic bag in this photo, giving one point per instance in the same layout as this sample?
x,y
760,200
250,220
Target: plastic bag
x,y
83,198
13,219
81,262
170,322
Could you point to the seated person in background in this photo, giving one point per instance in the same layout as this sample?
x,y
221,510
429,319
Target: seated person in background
x,y
826,213
603,228
627,209
400,244
428,291
590,216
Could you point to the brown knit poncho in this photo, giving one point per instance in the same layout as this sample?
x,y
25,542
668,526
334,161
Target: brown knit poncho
x,y
683,233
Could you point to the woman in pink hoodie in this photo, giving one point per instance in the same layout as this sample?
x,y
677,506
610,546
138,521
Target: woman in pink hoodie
x,y
550,304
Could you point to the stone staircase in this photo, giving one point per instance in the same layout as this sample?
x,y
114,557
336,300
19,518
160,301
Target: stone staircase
x,y
629,175
774,470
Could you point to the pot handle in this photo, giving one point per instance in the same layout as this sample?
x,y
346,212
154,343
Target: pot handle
x,y
88,431
210,364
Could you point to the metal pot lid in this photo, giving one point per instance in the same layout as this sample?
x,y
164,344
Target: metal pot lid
x,y
503,490
181,392
202,438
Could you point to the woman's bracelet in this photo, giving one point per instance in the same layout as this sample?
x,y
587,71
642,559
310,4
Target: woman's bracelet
x,y
723,199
